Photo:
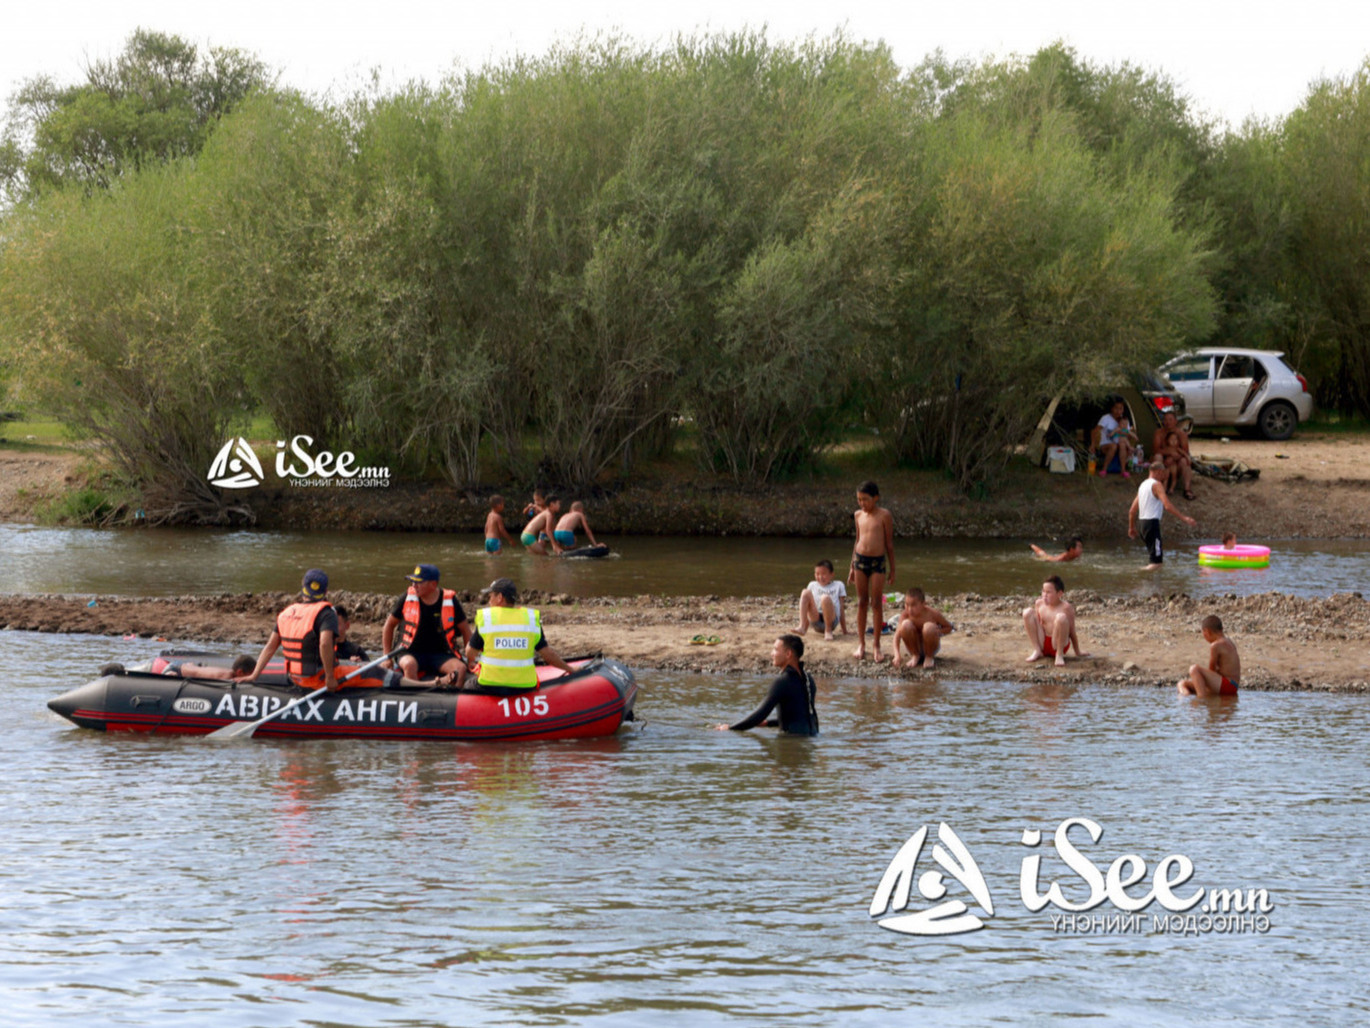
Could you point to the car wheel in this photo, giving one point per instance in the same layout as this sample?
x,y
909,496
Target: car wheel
x,y
1278,420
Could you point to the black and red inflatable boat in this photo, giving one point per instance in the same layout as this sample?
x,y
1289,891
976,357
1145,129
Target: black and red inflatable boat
x,y
594,700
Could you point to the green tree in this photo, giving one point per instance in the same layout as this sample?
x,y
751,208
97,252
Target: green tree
x,y
158,100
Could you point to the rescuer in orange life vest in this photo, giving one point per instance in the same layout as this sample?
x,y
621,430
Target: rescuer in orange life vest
x,y
435,629
305,632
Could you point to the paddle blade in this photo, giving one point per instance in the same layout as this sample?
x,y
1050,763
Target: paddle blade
x,y
237,730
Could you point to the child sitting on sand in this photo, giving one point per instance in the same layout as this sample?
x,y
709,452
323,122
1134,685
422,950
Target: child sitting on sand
x,y
1224,669
920,631
822,602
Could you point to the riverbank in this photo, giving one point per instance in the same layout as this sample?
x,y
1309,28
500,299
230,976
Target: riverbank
x,y
1286,643
1314,486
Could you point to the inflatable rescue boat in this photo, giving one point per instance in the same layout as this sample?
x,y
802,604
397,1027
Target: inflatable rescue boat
x,y
594,700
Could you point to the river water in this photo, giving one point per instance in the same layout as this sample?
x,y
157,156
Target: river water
x,y
171,562
675,875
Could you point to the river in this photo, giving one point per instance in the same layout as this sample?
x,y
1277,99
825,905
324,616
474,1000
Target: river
x,y
172,562
674,874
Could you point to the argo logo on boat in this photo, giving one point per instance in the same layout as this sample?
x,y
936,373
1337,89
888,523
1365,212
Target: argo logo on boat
x,y
1125,884
235,466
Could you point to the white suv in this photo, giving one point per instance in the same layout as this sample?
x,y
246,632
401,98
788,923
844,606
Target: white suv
x,y
1244,388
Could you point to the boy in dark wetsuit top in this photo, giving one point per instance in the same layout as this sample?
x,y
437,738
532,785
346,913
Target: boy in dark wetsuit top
x,y
793,691
874,546
1224,669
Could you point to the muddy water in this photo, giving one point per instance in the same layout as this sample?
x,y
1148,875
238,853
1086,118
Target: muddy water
x,y
674,874
175,562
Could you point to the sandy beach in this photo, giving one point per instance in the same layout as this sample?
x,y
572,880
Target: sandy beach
x,y
1286,643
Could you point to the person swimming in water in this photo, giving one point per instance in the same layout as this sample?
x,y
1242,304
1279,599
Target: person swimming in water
x,y
793,691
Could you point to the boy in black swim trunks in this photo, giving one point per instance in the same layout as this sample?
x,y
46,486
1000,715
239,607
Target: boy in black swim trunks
x,y
874,546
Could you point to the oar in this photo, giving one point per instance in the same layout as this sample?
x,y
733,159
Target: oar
x,y
244,729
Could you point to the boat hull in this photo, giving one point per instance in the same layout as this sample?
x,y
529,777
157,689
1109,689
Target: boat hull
x,y
594,701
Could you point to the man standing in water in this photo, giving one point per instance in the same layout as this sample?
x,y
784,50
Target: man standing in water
x,y
1145,514
874,545
793,691
1050,624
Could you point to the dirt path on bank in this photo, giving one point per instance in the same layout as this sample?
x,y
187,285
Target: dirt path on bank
x,y
1314,486
1286,643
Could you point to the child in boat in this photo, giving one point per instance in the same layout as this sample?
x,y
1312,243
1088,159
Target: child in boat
x,y
874,546
1072,552
344,647
920,631
821,602
565,532
495,532
1224,669
1230,541
537,534
242,667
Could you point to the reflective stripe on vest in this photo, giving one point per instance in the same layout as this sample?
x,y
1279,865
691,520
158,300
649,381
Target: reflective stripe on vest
x,y
294,625
413,607
510,636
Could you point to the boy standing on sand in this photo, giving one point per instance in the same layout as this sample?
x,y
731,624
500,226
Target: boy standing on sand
x,y
874,545
821,602
920,630
1145,514
1050,624
565,532
1224,669
495,532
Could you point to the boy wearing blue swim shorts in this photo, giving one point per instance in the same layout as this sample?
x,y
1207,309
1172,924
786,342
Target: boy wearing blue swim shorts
x,y
495,532
565,532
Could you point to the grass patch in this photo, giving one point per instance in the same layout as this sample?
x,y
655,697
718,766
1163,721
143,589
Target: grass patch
x,y
84,506
1339,424
36,436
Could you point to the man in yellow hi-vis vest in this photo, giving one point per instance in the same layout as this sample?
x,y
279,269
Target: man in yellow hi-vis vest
x,y
506,639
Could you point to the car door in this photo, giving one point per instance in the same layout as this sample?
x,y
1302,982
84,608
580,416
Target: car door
x,y
1192,378
1232,387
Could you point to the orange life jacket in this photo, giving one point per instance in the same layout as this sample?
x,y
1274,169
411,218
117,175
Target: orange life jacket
x,y
293,625
412,608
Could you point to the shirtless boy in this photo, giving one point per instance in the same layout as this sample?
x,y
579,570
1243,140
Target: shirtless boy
x,y
1050,624
537,534
821,602
1224,669
874,546
1071,552
565,532
496,535
920,630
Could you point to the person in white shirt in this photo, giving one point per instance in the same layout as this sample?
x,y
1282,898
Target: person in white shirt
x,y
1144,516
822,602
1108,441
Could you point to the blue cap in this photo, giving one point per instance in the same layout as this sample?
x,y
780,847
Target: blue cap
x,y
423,573
315,584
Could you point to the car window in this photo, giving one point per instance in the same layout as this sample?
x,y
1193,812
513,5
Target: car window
x,y
1236,365
1190,369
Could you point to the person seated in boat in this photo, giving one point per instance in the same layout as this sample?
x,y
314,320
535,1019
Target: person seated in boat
x,y
821,602
242,667
793,692
496,534
537,534
1073,551
434,628
514,638
1050,624
920,630
565,533
306,633
344,647
1224,669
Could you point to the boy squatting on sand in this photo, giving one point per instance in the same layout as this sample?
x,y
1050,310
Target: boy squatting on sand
x,y
1050,624
1224,669
874,545
920,631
